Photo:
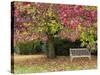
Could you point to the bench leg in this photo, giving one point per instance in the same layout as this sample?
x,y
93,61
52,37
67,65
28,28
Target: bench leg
x,y
89,57
71,59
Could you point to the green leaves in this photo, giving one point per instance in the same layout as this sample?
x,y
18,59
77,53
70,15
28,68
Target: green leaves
x,y
53,27
71,22
87,37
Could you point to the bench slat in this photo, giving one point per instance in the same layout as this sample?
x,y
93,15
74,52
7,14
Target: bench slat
x,y
79,52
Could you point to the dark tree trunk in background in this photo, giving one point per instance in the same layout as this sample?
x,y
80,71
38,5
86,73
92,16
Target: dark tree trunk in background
x,y
51,49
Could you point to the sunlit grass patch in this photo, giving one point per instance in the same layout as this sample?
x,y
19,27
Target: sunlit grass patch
x,y
38,64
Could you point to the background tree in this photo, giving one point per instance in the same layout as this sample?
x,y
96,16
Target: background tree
x,y
80,22
46,21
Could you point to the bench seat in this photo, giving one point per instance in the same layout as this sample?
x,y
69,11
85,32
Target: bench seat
x,y
79,52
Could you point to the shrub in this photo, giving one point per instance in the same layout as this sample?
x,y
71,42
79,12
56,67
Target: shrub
x,y
28,47
62,46
25,47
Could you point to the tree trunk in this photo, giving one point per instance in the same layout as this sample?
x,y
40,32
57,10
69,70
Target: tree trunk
x,y
51,49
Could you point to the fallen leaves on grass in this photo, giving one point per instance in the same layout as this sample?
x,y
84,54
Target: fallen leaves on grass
x,y
39,63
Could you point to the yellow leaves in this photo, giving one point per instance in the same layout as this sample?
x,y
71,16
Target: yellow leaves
x,y
79,27
27,24
25,33
90,8
40,29
53,27
53,21
91,30
49,13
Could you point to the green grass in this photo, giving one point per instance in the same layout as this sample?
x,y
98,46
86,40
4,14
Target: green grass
x,y
44,68
29,69
38,64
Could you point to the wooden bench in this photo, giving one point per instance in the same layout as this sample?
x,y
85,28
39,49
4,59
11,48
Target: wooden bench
x,y
79,52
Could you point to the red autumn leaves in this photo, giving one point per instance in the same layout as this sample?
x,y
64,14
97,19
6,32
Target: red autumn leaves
x,y
71,15
68,15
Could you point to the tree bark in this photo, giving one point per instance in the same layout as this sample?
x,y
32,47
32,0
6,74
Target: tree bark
x,y
51,49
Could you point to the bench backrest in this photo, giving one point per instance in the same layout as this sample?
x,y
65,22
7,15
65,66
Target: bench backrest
x,y
79,51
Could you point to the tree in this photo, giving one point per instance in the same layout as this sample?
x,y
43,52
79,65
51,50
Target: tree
x,y
45,21
80,23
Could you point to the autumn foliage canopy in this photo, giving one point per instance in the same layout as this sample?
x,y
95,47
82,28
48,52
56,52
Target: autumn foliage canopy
x,y
70,22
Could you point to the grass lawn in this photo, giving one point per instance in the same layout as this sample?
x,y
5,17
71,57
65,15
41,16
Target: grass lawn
x,y
39,63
